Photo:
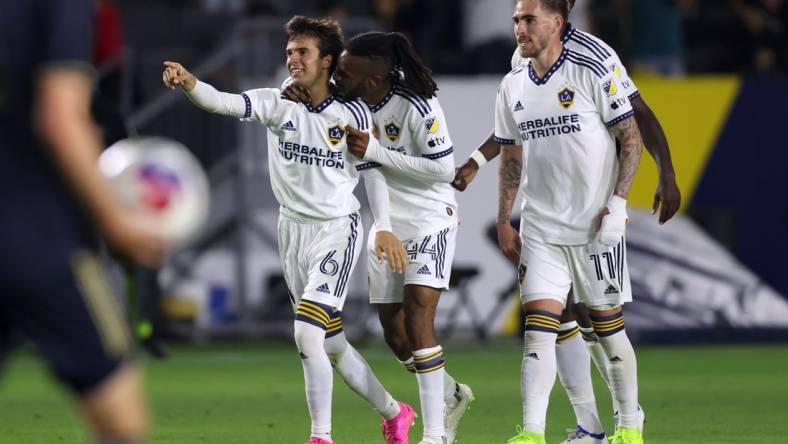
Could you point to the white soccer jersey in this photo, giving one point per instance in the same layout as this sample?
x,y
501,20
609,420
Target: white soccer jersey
x,y
595,48
569,154
421,201
312,173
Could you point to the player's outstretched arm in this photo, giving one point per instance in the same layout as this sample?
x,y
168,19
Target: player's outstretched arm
x,y
667,198
486,152
509,174
612,220
203,95
422,168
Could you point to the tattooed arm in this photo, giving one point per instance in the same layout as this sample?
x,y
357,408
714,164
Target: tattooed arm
x,y
612,220
628,135
509,175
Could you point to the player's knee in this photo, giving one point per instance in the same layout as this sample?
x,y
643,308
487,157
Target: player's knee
x,y
607,322
116,409
581,315
308,338
335,345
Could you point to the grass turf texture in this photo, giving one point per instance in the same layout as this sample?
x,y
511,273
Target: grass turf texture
x,y
253,393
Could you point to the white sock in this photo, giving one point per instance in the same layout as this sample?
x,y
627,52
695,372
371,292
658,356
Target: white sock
x,y
430,374
574,367
318,376
355,371
599,357
621,366
449,389
537,378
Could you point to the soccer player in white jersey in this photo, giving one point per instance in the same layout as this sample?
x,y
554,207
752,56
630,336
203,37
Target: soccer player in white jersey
x,y
415,153
559,116
572,359
319,230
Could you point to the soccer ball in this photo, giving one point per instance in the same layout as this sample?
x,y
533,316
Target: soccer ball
x,y
162,182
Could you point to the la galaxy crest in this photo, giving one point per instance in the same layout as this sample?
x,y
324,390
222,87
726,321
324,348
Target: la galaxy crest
x,y
335,134
566,97
392,131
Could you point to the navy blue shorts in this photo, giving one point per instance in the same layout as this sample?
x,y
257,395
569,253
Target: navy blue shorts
x,y
53,291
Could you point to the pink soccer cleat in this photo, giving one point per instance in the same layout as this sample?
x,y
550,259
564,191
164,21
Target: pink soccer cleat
x,y
316,440
395,430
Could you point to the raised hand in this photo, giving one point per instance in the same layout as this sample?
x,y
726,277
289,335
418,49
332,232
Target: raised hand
x,y
175,75
357,141
296,93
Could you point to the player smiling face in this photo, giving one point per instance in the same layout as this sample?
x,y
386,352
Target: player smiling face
x,y
533,26
304,63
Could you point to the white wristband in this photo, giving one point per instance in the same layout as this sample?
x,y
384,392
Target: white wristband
x,y
479,158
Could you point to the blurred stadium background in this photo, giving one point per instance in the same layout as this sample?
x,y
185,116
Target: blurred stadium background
x,y
714,72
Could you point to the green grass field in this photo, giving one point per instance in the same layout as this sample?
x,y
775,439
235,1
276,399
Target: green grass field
x,y
253,393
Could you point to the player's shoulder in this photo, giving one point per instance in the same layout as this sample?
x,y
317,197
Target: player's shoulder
x,y
589,45
584,64
514,75
416,107
357,112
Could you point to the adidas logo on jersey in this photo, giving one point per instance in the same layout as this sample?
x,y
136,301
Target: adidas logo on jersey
x,y
611,290
532,356
289,126
323,289
616,359
518,106
424,270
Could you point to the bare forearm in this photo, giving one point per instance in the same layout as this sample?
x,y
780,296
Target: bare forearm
x,y
489,149
653,137
628,135
67,130
509,174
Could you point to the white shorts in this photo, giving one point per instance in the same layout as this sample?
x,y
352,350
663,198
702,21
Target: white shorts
x,y
597,274
318,258
430,257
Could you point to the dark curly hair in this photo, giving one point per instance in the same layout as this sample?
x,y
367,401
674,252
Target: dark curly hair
x,y
404,65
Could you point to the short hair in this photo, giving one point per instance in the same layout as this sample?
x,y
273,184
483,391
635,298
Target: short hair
x,y
327,32
560,6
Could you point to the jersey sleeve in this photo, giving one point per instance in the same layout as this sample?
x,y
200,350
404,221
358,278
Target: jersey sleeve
x,y
431,136
621,76
505,126
432,159
610,99
261,105
68,33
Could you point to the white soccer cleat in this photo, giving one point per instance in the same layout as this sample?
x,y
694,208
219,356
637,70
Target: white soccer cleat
x,y
582,436
455,409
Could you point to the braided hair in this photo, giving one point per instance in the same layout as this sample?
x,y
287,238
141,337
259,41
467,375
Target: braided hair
x,y
401,62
